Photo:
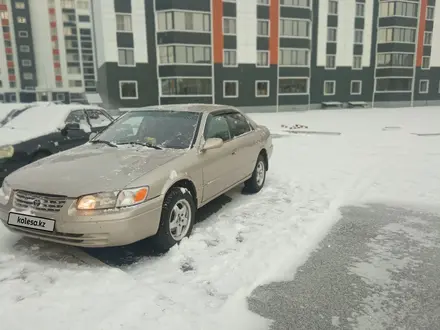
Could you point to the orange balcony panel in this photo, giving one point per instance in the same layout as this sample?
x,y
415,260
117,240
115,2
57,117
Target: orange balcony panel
x,y
54,38
8,50
10,64
5,22
56,64
7,36
3,7
53,24
52,11
56,52
12,77
58,78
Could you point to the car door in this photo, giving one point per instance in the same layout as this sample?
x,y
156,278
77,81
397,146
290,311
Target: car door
x,y
76,137
98,119
218,165
247,147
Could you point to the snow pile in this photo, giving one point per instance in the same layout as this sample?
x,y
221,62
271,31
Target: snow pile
x,y
203,283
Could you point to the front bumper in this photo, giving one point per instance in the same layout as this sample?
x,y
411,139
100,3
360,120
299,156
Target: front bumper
x,y
92,229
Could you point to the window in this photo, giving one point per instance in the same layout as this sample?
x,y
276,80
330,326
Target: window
x,y
76,116
329,87
330,62
332,34
123,23
263,27
294,28
217,127
72,57
26,63
23,34
424,86
4,15
404,35
395,59
25,49
73,70
28,76
229,25
75,83
186,86
70,4
230,57
21,19
82,4
68,31
393,84
184,54
183,21
263,2
430,13
357,62
360,9
358,37
238,124
87,58
356,87
333,7
262,88
295,3
83,18
12,84
398,8
126,57
128,90
59,84
294,57
293,86
98,118
427,40
20,5
426,62
57,71
61,97
263,58
230,88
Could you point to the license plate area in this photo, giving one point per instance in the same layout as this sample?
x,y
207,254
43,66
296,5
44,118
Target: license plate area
x,y
31,222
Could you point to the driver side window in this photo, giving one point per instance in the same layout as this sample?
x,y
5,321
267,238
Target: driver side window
x,y
217,127
77,117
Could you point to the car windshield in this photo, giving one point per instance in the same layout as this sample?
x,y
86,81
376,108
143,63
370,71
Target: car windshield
x,y
158,128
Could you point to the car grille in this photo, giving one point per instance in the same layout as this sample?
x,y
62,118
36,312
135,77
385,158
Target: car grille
x,y
40,202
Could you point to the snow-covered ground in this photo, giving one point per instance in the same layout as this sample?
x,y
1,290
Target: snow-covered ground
x,y
251,240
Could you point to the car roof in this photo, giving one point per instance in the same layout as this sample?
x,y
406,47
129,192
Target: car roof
x,y
190,107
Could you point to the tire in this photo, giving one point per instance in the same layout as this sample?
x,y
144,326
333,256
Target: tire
x,y
167,236
258,178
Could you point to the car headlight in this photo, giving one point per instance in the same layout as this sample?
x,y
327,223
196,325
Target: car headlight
x,y
6,190
110,200
6,152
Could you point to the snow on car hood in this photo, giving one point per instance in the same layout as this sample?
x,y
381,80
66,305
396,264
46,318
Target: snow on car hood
x,y
13,136
89,169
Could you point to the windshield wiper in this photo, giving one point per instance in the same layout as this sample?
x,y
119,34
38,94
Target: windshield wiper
x,y
144,144
110,144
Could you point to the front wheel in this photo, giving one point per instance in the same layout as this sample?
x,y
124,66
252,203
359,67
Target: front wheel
x,y
258,178
177,219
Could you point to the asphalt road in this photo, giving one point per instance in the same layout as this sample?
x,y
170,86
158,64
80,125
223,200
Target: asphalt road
x,y
378,268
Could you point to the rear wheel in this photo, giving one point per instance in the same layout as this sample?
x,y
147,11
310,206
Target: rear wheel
x,y
258,178
177,219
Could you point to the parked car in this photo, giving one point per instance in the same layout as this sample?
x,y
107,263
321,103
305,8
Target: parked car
x,y
145,175
43,130
8,111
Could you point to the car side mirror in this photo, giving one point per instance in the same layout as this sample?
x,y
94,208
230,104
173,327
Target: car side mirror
x,y
213,143
92,136
70,127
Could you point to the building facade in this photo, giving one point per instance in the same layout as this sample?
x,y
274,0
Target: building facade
x,y
47,51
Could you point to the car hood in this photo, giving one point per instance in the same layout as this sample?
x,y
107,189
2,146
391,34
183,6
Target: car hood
x,y
89,169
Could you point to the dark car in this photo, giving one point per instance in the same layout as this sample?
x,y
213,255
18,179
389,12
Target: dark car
x,y
44,130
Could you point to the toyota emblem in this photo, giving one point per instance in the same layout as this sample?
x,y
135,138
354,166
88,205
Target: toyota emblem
x,y
37,202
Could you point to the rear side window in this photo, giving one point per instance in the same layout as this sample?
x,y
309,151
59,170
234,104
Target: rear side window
x,y
76,116
217,127
238,124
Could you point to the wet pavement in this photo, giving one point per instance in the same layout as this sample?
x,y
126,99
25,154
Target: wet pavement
x,y
378,268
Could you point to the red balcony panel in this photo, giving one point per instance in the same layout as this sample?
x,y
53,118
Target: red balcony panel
x,y
56,51
52,11
12,77
3,7
56,64
54,38
10,64
7,36
53,24
58,78
5,22
8,50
